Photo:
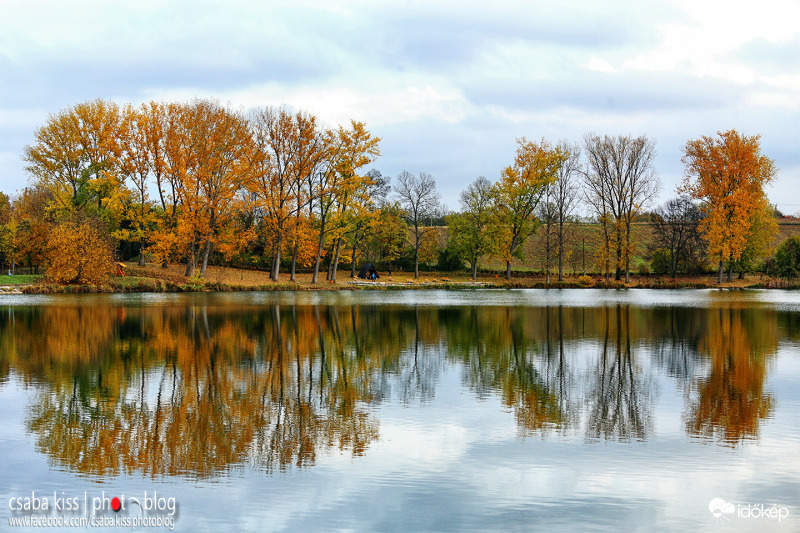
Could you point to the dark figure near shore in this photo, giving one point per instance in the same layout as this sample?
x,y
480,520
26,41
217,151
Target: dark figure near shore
x,y
368,272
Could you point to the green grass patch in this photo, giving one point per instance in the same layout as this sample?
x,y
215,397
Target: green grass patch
x,y
22,279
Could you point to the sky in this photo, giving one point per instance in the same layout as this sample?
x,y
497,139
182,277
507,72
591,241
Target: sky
x,y
447,86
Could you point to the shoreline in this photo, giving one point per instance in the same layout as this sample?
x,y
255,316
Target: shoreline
x,y
162,286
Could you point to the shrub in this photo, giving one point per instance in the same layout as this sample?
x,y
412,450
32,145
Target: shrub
x,y
195,284
586,281
450,258
787,259
79,251
661,262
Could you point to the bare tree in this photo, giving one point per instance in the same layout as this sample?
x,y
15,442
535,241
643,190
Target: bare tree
x,y
676,228
421,201
619,181
377,188
566,197
546,213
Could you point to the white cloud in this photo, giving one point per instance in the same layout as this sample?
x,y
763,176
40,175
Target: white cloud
x,y
450,82
600,65
391,103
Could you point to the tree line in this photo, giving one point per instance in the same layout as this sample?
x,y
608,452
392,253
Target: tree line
x,y
198,181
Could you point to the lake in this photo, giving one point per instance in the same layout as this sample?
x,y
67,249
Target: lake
x,y
485,410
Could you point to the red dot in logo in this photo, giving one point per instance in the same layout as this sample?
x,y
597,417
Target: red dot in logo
x,y
116,504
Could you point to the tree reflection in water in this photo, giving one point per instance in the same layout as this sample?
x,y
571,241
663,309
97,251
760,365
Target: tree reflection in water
x,y
194,390
729,401
620,398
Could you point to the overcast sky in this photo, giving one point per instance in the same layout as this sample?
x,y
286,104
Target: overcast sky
x,y
448,86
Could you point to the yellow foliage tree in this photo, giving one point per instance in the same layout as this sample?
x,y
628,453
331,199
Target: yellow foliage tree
x,y
518,193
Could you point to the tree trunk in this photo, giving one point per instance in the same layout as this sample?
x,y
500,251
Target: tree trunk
x,y
416,258
721,270
294,260
319,254
628,250
276,259
475,270
353,263
583,254
730,271
141,252
330,261
508,269
205,258
191,261
673,265
547,254
336,259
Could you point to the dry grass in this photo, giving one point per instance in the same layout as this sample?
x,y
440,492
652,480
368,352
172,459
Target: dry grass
x,y
256,278
234,277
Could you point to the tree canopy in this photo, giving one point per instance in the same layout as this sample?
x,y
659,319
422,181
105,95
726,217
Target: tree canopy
x,y
728,174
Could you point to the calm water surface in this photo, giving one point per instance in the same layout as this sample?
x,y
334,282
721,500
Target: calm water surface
x,y
570,410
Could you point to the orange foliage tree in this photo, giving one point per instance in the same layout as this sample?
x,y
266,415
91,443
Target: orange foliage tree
x,y
79,251
338,185
288,150
728,174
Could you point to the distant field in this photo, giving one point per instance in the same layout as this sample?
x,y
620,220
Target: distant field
x,y
584,239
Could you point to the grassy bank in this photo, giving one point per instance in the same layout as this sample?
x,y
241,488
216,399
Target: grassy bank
x,y
156,279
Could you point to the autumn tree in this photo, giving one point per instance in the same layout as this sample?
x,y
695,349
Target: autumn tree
x,y
137,165
338,185
353,199
619,181
168,142
75,153
421,200
519,192
728,175
7,251
288,150
79,250
763,228
219,159
30,225
469,229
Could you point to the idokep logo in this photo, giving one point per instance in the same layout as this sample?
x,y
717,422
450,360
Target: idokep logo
x,y
724,511
720,507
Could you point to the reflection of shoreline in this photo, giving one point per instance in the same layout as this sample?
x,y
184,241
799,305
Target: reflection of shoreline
x,y
194,390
